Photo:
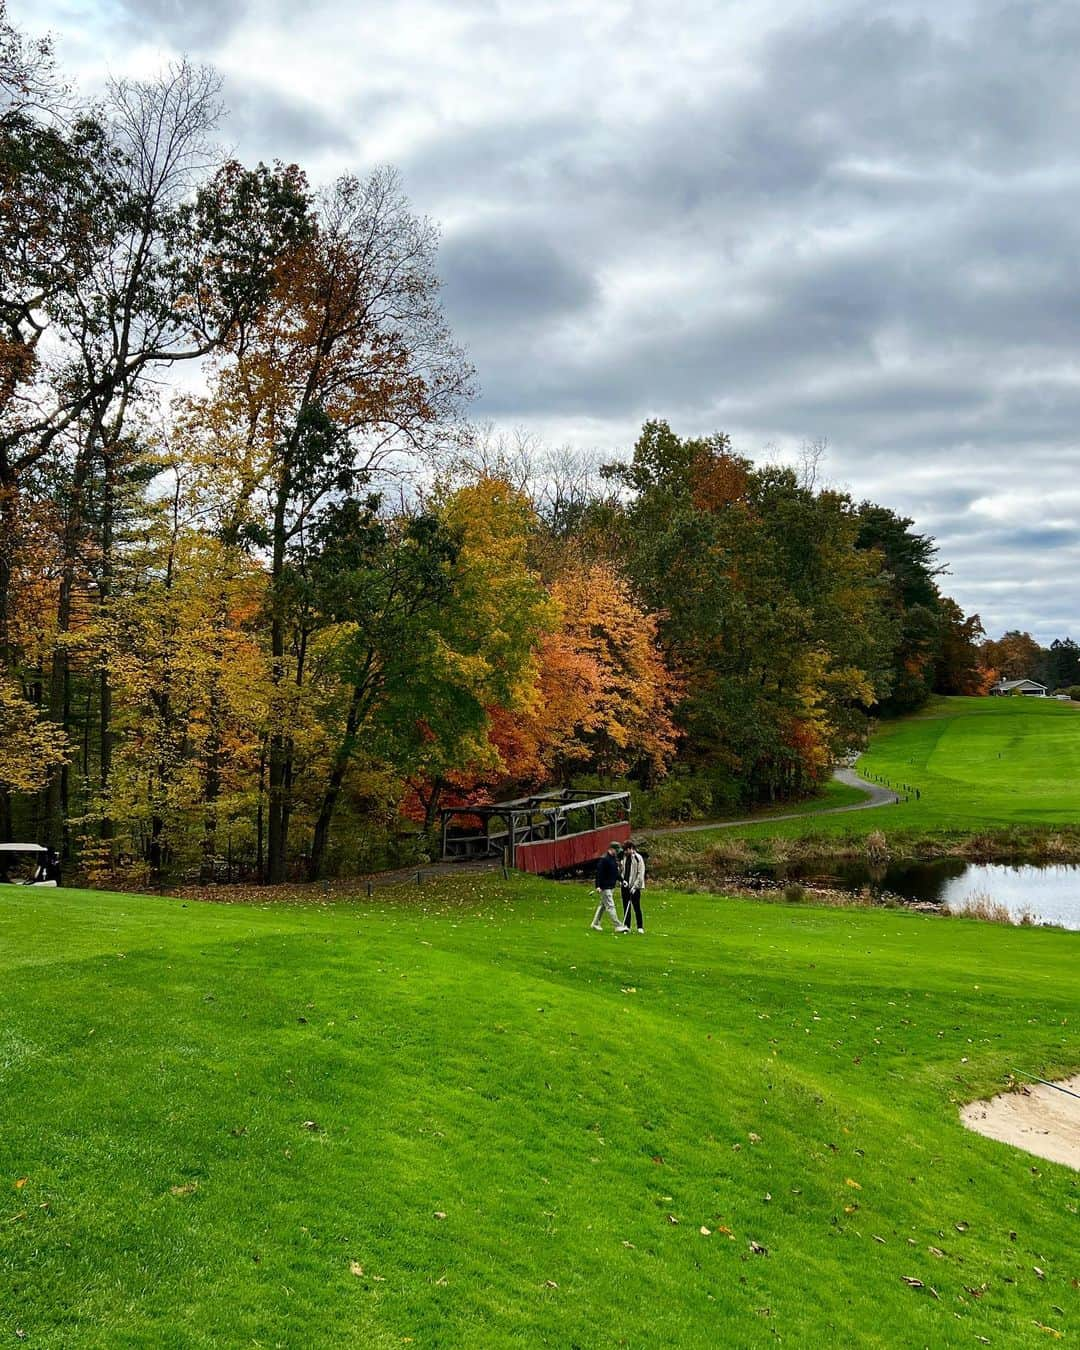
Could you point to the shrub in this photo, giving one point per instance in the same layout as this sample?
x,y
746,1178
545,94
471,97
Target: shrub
x,y
877,846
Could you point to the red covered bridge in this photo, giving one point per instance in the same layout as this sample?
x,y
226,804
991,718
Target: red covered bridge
x,y
543,833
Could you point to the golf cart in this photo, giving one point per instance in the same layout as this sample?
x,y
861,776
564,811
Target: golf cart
x,y
45,870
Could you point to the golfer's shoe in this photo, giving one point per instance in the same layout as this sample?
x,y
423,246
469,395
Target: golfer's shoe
x,y
599,927
622,928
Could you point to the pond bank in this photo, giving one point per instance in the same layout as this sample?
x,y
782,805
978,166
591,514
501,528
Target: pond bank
x,y
1007,844
1043,894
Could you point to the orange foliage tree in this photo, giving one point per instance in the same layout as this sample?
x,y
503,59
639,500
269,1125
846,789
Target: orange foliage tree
x,y
601,702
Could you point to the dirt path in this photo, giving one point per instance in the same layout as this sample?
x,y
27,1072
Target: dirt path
x,y
877,796
1037,1118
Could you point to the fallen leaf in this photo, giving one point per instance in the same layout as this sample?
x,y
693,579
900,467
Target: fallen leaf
x,y
626,1243
440,1214
1038,1271
850,1209
961,1227
550,1284
879,1239
850,1181
726,1231
758,1249
766,1198
355,1268
912,1282
1050,1331
754,1138
705,1232
310,1125
936,1251
672,1219
21,1183
188,1188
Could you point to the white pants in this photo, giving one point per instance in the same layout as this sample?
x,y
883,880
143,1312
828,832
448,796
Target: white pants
x,y
607,902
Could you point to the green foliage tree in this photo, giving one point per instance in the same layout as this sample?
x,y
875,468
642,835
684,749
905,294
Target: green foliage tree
x,y
769,612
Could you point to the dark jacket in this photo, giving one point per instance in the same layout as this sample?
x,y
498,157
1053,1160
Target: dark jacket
x,y
607,873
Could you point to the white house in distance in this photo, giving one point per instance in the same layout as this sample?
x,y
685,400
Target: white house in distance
x,y
1030,688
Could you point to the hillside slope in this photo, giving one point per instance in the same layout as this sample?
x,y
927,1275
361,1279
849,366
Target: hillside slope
x,y
456,1117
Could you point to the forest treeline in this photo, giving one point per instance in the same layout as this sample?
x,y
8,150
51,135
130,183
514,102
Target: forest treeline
x,y
269,626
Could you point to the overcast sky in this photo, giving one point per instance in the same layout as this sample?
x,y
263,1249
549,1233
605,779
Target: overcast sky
x,y
782,219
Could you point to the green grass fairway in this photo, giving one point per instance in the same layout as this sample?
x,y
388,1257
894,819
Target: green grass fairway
x,y
1005,765
985,761
456,1117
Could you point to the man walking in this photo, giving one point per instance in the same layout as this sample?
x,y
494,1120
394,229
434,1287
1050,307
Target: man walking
x,y
633,883
607,878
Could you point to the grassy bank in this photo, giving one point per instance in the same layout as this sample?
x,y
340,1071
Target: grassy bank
x,y
456,1117
995,778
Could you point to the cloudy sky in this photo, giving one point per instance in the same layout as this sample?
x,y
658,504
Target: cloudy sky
x,y
784,219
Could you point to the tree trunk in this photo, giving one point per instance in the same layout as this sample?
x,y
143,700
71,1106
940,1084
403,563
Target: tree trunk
x,y
212,765
280,744
105,828
9,497
9,515
59,705
431,806
260,814
321,836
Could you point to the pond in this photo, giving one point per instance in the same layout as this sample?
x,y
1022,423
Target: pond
x,y
1044,892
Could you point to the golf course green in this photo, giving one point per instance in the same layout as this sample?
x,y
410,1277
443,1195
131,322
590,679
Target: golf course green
x,y
454,1116
1006,770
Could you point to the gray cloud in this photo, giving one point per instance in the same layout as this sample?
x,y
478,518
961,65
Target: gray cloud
x,y
195,25
271,124
506,275
856,220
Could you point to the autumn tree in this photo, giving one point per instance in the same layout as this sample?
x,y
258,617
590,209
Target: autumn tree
x,y
626,728
1015,656
500,618
959,669
348,368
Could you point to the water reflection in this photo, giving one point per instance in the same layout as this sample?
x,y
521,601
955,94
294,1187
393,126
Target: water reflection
x,y
1045,893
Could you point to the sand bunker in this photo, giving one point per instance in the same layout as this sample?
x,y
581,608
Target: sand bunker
x,y
1036,1118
